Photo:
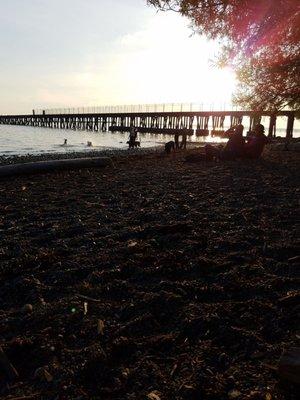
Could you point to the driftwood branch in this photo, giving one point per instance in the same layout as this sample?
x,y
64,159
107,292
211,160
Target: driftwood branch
x,y
53,165
7,367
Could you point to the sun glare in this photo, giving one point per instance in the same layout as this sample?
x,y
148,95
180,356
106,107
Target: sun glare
x,y
162,64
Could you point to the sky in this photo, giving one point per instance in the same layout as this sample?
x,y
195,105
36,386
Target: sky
x,y
75,53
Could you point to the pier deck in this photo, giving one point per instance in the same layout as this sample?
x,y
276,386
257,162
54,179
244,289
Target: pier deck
x,y
186,122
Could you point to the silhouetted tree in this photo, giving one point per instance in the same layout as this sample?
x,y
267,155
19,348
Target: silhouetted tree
x,y
259,38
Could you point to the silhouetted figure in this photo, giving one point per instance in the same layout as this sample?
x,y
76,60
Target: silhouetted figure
x,y
256,142
169,146
233,149
132,142
65,142
89,144
183,141
176,138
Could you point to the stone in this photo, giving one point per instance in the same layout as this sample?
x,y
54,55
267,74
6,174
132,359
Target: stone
x,y
27,309
234,394
154,396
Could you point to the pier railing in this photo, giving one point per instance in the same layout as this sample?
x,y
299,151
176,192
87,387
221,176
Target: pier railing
x,y
138,108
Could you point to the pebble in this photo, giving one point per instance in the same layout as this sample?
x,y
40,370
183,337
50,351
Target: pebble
x,y
234,394
27,308
153,396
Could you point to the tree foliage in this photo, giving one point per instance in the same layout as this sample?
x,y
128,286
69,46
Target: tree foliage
x,y
259,38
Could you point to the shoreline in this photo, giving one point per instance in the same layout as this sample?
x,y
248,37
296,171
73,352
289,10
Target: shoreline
x,y
109,152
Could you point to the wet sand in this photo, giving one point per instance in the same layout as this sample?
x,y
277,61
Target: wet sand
x,y
154,277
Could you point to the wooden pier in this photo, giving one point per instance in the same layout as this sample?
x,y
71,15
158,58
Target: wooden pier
x,y
185,122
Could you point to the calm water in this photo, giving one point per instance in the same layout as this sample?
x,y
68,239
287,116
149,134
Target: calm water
x,y
29,140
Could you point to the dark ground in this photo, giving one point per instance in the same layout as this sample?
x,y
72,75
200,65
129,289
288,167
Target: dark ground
x,y
188,272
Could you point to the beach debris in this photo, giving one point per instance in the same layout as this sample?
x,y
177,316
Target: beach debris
x,y
27,309
85,308
100,327
154,395
174,369
7,367
42,301
53,165
289,365
295,259
234,394
131,243
125,373
83,297
43,375
292,299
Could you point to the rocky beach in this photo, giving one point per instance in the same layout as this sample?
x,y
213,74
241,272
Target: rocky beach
x,y
152,279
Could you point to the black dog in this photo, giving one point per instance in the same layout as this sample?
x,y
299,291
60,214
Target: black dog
x,y
133,144
169,146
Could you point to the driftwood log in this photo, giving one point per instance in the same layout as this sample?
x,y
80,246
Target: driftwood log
x,y
7,367
53,165
289,366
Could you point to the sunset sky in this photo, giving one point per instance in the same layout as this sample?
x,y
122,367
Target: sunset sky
x,y
67,53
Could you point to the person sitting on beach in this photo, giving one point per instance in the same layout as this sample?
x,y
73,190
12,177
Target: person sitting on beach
x,y
169,146
65,142
256,143
89,144
233,149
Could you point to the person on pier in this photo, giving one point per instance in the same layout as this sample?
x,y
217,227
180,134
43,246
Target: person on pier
x,y
234,148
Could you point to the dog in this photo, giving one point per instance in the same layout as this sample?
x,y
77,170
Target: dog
x,y
132,144
169,146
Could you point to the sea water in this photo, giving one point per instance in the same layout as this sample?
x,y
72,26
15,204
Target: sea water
x,y
34,140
